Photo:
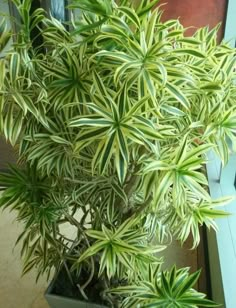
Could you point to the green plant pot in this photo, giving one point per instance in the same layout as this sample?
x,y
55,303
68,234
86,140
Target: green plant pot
x,y
61,294
56,301
60,301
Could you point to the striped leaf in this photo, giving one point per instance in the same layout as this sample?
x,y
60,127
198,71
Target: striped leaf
x,y
121,166
131,15
190,52
14,69
177,93
122,145
107,152
163,187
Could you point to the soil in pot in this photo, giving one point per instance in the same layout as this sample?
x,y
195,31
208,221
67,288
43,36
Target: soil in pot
x,y
63,287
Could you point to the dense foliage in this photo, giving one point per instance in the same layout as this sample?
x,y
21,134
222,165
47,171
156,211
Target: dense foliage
x,y
112,118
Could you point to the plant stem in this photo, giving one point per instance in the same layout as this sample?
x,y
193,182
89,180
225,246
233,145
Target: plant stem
x,y
65,238
63,260
68,272
132,183
141,208
134,178
90,276
77,224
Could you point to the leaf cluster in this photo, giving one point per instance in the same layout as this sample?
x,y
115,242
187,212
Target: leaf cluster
x,y
112,118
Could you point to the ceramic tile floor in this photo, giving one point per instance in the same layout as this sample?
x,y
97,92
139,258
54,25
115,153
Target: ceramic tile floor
x,y
16,291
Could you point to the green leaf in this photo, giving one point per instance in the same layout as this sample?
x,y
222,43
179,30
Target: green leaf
x,y
5,34
84,28
136,107
157,165
14,67
188,283
190,52
149,133
182,150
95,6
173,110
121,166
17,128
95,121
107,152
99,85
60,140
150,28
125,69
91,134
177,93
20,101
211,86
149,83
95,234
201,302
145,7
163,187
124,227
130,14
120,192
122,145
95,248
195,187
120,56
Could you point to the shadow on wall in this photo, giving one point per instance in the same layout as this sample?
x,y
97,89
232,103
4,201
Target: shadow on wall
x,y
7,154
196,13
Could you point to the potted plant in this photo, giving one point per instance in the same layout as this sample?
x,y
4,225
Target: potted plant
x,y
112,117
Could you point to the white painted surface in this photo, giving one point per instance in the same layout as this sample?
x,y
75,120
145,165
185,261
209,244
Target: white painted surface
x,y
226,236
230,26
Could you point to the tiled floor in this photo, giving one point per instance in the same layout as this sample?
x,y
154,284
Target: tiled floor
x,y
16,291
